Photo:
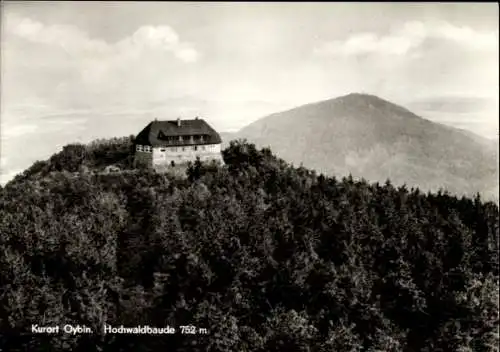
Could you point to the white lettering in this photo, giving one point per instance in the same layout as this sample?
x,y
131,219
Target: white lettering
x,y
35,329
77,329
144,329
107,328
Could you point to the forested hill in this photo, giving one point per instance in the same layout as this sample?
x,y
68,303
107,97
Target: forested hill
x,y
265,256
370,137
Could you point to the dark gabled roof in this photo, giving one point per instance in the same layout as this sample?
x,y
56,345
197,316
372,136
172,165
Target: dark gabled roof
x,y
156,133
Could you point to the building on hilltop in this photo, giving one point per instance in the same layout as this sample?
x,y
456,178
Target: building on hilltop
x,y
164,143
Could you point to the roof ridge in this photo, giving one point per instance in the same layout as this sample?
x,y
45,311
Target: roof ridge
x,y
154,132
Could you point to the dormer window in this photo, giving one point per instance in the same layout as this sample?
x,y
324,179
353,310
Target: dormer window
x,y
138,148
162,136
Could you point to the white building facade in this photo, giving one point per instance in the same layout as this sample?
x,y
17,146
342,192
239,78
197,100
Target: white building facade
x,y
164,143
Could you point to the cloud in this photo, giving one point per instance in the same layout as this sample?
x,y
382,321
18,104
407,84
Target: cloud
x,y
160,37
187,54
415,60
407,38
71,39
19,130
64,67
157,38
466,36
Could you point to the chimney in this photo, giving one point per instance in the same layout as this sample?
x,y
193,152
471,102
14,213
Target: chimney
x,y
196,118
178,122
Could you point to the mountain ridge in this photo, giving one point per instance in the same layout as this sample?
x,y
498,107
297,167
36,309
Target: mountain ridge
x,y
368,136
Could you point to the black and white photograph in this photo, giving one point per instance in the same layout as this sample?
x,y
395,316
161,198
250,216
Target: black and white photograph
x,y
249,176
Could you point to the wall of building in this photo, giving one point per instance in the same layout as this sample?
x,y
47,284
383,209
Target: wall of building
x,y
143,158
165,155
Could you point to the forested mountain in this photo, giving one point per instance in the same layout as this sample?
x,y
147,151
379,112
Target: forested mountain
x,y
265,256
369,137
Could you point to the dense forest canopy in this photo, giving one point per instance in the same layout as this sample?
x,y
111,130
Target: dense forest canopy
x,y
264,255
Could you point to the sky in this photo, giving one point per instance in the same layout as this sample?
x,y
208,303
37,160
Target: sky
x,y
77,71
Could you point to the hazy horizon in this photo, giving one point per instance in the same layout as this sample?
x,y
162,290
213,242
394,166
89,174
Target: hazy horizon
x,y
73,72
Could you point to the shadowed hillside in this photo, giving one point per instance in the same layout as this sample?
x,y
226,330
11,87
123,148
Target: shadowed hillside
x,y
375,139
263,255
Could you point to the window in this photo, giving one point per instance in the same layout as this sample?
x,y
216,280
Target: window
x,y
203,148
162,135
180,138
183,149
138,148
169,139
195,147
174,149
162,149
